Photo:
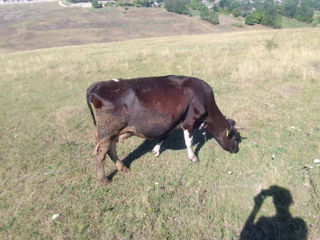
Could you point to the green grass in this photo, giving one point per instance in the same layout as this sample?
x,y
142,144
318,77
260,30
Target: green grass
x,y
293,23
47,139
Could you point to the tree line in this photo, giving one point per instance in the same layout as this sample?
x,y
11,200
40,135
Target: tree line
x,y
266,12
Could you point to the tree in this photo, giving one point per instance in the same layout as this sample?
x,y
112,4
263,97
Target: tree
x,y
266,15
305,14
177,6
271,16
289,8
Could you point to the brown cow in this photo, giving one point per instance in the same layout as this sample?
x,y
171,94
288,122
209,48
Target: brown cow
x,y
151,108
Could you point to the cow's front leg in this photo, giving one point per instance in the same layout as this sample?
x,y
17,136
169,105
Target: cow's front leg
x,y
100,153
188,140
156,149
114,157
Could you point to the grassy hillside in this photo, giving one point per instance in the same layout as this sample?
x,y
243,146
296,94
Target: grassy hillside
x,y
267,81
33,26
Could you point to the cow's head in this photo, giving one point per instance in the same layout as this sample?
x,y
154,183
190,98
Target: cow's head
x,y
230,138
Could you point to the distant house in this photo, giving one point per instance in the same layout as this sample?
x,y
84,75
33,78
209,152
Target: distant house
x,y
208,4
23,1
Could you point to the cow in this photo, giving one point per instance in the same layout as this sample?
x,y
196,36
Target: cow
x,y
151,107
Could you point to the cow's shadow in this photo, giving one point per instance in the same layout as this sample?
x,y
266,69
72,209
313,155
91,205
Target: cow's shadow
x,y
175,141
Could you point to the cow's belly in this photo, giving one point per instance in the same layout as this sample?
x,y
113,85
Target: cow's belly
x,y
152,125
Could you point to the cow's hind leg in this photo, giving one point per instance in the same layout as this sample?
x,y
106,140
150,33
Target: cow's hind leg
x,y
114,157
188,139
100,153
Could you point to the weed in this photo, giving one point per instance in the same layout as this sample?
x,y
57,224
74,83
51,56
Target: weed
x,y
272,43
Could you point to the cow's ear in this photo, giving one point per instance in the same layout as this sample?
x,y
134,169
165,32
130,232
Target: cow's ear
x,y
96,100
231,122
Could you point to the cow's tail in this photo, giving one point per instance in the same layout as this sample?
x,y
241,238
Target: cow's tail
x,y
89,103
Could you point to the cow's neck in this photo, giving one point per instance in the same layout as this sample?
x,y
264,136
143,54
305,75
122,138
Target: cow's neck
x,y
217,123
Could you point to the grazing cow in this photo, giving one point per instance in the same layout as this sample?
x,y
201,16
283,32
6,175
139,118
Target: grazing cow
x,y
151,108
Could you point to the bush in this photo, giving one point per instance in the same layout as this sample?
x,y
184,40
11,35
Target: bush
x,y
258,15
236,12
177,6
271,18
95,4
267,16
250,20
109,4
143,3
209,16
316,21
195,5
244,14
124,4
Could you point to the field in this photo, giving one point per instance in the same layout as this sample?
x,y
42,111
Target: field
x,y
268,81
33,26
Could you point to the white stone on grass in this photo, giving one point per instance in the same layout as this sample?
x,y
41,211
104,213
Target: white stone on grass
x,y
54,216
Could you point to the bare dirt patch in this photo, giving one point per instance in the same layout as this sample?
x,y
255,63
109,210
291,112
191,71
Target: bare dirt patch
x,y
287,91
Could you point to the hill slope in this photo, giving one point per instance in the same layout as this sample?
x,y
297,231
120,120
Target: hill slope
x,y
267,81
33,26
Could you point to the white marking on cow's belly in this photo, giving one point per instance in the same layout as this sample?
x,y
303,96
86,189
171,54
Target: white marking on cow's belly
x,y
116,80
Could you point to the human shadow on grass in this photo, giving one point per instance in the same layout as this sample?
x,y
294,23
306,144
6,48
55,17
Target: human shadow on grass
x,y
175,141
281,226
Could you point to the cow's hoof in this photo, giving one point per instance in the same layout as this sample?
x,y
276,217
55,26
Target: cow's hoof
x,y
121,167
194,159
124,169
156,154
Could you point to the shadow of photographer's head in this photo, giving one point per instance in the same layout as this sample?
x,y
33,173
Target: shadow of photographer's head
x,y
282,197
